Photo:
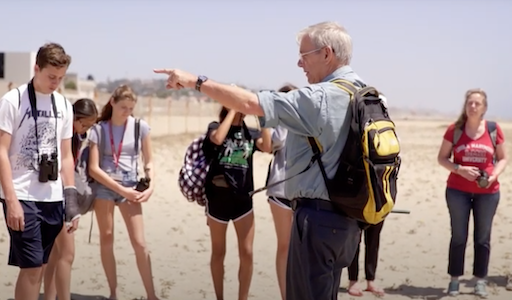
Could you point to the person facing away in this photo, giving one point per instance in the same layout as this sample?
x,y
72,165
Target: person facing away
x,y
37,174
473,153
371,257
57,276
116,177
230,146
280,207
322,241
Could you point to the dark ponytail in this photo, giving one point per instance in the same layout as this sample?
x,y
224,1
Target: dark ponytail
x,y
288,87
223,114
82,108
75,144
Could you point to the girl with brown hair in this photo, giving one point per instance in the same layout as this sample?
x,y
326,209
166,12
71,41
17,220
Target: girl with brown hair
x,y
117,177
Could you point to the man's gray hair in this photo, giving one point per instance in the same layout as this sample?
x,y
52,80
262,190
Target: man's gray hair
x,y
330,34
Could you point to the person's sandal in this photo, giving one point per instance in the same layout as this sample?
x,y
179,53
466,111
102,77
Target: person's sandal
x,y
481,289
453,288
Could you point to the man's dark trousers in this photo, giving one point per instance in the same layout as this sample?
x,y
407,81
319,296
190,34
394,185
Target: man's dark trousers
x,y
322,243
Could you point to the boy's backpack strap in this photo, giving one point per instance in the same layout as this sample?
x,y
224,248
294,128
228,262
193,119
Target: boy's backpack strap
x,y
19,98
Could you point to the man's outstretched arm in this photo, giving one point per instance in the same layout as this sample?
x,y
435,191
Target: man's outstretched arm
x,y
296,110
230,96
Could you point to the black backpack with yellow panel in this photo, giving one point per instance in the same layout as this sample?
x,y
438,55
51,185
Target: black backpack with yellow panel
x,y
365,184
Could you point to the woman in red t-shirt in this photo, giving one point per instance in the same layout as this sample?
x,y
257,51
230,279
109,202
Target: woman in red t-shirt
x,y
57,277
473,155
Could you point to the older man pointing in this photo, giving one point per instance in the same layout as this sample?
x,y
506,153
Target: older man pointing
x,y
323,241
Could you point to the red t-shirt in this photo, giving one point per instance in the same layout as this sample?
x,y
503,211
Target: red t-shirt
x,y
476,153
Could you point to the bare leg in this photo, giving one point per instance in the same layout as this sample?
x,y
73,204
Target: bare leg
x,y
218,239
245,233
50,291
372,242
104,211
132,215
57,276
66,246
283,219
28,284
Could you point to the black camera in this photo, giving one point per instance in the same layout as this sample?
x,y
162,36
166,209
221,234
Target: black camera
x,y
48,168
483,179
143,184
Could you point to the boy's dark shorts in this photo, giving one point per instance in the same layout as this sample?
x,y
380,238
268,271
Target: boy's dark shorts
x,y
43,222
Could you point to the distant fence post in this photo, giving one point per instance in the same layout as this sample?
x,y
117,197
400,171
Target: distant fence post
x,y
186,114
150,112
169,117
200,113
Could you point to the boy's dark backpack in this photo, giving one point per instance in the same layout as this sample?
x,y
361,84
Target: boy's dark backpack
x,y
365,184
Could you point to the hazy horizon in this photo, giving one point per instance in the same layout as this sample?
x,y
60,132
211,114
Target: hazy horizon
x,y
422,54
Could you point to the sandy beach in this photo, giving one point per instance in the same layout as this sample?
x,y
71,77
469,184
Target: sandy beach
x,y
413,254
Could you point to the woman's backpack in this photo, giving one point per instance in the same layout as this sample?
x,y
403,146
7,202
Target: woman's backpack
x,y
192,176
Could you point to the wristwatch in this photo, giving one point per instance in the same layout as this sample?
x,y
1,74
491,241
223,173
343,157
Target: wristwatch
x,y
456,168
200,80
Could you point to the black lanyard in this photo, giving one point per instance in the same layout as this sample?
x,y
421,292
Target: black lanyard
x,y
33,105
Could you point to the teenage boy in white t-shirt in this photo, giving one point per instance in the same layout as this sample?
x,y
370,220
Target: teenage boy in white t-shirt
x,y
36,198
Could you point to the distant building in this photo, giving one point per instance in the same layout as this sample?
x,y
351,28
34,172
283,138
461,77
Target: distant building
x,y
17,68
76,88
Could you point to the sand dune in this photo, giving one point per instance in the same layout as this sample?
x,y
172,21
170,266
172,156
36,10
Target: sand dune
x,y
414,248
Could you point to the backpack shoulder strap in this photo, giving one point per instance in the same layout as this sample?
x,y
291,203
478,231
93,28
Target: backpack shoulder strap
x,y
493,132
137,135
100,133
19,98
456,135
317,155
136,132
315,145
66,101
346,85
317,149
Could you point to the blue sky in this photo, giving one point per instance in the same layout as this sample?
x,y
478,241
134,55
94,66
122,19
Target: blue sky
x,y
420,53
